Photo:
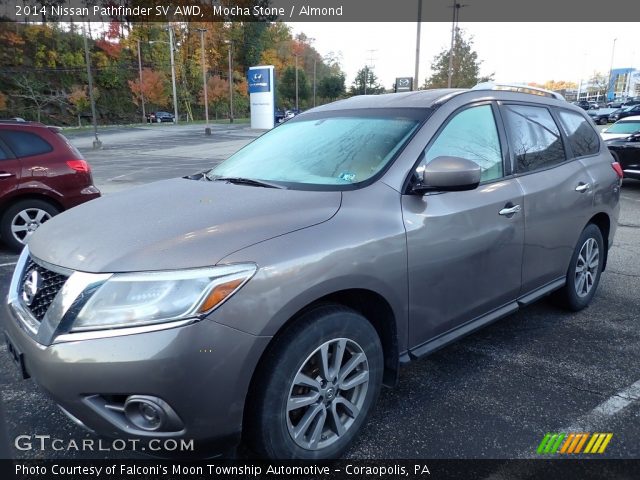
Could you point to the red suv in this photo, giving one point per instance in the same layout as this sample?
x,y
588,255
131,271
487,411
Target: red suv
x,y
41,174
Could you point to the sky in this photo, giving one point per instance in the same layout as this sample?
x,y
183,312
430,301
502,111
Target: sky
x,y
512,51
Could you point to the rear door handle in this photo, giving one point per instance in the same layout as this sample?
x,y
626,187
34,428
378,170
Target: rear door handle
x,y
506,211
5,174
583,187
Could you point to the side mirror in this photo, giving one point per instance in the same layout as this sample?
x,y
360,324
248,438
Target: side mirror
x,y
447,174
635,137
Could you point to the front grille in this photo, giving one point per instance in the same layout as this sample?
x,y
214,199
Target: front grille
x,y
52,282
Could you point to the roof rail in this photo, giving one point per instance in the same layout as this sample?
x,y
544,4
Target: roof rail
x,y
514,87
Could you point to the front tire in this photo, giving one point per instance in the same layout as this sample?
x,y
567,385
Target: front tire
x,y
316,387
584,270
22,219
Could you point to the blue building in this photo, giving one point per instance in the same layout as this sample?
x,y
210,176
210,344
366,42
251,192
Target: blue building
x,y
624,83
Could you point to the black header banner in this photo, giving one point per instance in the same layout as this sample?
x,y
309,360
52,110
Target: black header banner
x,y
319,10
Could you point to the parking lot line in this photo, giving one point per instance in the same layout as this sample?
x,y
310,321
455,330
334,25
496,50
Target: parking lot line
x,y
608,408
10,264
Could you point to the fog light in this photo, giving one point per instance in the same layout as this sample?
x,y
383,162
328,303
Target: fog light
x,y
146,413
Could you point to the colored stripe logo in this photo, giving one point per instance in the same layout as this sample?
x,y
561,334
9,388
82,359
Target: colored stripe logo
x,y
573,443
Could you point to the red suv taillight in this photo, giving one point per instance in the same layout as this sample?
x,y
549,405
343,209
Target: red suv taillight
x,y
616,166
79,166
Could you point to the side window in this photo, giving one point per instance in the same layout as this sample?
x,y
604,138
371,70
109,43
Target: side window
x,y
534,137
3,154
471,134
25,144
582,137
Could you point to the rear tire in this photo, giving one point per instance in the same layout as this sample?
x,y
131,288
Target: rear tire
x,y
302,405
22,218
584,270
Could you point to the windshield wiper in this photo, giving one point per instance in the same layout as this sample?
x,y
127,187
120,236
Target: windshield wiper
x,y
247,181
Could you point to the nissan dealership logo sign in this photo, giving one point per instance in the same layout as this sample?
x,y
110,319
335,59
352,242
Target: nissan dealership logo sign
x,y
259,80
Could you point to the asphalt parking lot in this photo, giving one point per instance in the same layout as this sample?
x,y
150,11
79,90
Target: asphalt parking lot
x,y
494,394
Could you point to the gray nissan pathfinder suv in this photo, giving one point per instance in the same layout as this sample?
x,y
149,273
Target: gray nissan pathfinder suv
x,y
269,298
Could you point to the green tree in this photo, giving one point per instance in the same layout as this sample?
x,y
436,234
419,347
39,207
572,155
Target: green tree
x,y
332,87
287,86
366,83
465,66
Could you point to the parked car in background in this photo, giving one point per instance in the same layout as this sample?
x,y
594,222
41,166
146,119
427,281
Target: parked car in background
x,y
601,115
279,115
594,105
583,104
613,116
622,128
615,103
41,174
624,112
159,117
626,151
288,114
631,102
353,238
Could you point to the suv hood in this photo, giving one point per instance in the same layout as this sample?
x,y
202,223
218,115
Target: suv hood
x,y
175,224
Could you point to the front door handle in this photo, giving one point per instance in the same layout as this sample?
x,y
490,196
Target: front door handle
x,y
5,174
583,187
506,211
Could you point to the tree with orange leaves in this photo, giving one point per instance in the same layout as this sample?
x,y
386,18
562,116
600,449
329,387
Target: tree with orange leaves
x,y
153,88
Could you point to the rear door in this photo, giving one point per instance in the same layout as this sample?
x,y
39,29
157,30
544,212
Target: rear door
x,y
10,170
464,248
558,192
35,153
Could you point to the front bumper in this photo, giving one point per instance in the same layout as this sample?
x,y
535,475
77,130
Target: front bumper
x,y
201,370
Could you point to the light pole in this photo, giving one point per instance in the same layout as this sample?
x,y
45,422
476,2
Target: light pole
x,y
96,142
207,130
454,28
296,55
230,43
173,72
144,116
314,82
415,79
609,85
173,76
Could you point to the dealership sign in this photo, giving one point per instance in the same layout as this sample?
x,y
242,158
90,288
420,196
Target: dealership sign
x,y
262,96
404,84
259,80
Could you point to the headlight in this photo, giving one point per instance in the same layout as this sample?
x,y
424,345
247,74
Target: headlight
x,y
135,299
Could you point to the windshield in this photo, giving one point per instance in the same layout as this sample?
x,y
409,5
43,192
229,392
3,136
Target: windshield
x,y
624,126
324,149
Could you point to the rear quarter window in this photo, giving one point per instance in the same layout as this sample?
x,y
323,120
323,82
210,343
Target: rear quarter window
x,y
582,138
25,144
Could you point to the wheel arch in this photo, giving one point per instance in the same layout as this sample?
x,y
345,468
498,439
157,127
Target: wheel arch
x,y
371,305
603,222
31,196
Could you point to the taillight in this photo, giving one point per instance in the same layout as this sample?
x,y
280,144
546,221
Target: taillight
x,y
616,166
79,165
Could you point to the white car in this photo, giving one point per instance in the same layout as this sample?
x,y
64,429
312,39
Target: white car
x,y
622,128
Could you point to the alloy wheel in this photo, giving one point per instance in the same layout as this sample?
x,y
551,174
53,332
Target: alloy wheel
x,y
27,221
327,394
587,267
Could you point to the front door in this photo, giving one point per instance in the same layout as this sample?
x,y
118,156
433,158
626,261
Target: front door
x,y
464,248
